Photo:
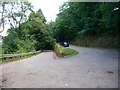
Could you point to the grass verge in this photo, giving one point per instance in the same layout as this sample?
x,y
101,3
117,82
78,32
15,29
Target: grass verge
x,y
64,52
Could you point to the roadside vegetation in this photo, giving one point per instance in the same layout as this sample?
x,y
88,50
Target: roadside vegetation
x,y
63,51
96,42
28,35
89,24
79,23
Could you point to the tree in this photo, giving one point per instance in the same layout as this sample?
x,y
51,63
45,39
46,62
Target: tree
x,y
29,36
17,12
3,12
90,19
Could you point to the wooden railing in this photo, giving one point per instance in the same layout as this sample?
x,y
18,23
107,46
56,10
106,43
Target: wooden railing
x,y
4,56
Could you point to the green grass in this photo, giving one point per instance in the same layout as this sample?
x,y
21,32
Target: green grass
x,y
65,52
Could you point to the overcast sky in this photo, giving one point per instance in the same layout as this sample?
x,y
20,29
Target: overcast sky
x,y
49,8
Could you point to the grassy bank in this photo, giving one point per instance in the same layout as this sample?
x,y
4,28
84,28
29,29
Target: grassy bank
x,y
64,52
96,42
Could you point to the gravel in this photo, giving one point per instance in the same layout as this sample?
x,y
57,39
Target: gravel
x,y
91,68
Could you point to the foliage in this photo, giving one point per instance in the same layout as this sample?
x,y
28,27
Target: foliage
x,y
76,20
14,13
96,42
29,36
90,19
63,51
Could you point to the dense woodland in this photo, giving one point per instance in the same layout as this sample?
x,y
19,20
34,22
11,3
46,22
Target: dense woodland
x,y
78,23
89,24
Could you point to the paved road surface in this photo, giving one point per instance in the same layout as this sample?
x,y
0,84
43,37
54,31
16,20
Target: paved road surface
x,y
91,68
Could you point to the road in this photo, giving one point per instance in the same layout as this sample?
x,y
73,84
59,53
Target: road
x,y
91,68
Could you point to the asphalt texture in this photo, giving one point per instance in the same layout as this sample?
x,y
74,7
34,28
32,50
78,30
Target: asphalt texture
x,y
91,68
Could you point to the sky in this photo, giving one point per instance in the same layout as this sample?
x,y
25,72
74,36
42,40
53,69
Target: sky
x,y
49,8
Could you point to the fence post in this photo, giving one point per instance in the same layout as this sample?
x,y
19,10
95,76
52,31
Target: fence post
x,y
10,56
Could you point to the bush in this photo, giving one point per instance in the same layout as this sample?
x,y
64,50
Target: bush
x,y
63,51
